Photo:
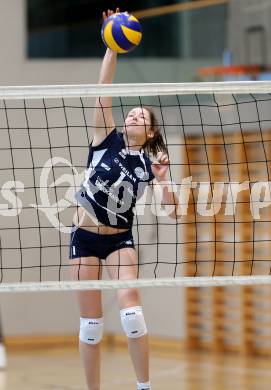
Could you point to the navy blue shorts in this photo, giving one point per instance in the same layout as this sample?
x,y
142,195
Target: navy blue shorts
x,y
84,243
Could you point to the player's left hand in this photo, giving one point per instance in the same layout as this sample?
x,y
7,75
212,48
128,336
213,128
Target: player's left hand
x,y
109,13
160,166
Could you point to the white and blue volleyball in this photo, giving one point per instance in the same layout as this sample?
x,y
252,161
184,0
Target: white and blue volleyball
x,y
121,32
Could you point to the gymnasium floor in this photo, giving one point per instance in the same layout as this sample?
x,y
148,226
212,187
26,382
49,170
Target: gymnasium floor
x,y
60,369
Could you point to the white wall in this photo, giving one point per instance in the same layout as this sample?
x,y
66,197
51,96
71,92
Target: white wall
x,y
247,42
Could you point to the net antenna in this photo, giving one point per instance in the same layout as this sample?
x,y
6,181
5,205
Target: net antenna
x,y
218,137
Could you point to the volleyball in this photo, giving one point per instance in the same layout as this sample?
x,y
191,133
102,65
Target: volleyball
x,y
121,32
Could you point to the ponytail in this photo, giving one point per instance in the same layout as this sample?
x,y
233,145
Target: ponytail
x,y
156,143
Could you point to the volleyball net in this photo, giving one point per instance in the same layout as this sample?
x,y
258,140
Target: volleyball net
x,y
218,137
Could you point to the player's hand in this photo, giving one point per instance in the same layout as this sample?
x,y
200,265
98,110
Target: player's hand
x,y
109,13
160,166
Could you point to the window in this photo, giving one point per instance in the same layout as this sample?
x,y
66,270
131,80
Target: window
x,y
71,28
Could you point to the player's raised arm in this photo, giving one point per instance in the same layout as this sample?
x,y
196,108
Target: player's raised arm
x,y
103,117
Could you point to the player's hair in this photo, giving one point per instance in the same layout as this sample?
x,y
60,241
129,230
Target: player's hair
x,y
156,143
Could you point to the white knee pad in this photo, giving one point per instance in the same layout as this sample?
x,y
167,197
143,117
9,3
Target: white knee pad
x,y
91,330
133,322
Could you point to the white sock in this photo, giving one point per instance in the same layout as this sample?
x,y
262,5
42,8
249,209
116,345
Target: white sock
x,y
144,386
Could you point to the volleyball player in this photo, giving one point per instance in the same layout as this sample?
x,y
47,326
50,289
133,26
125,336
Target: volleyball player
x,y
118,171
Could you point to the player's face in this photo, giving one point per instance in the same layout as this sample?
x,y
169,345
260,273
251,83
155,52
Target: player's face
x,y
138,126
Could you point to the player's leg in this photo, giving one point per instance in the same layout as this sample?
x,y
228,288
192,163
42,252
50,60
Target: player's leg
x,y
122,264
91,320
91,316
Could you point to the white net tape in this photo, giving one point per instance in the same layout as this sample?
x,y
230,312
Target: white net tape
x,y
216,281
71,91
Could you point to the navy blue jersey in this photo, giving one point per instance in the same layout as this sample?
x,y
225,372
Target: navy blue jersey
x,y
115,179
